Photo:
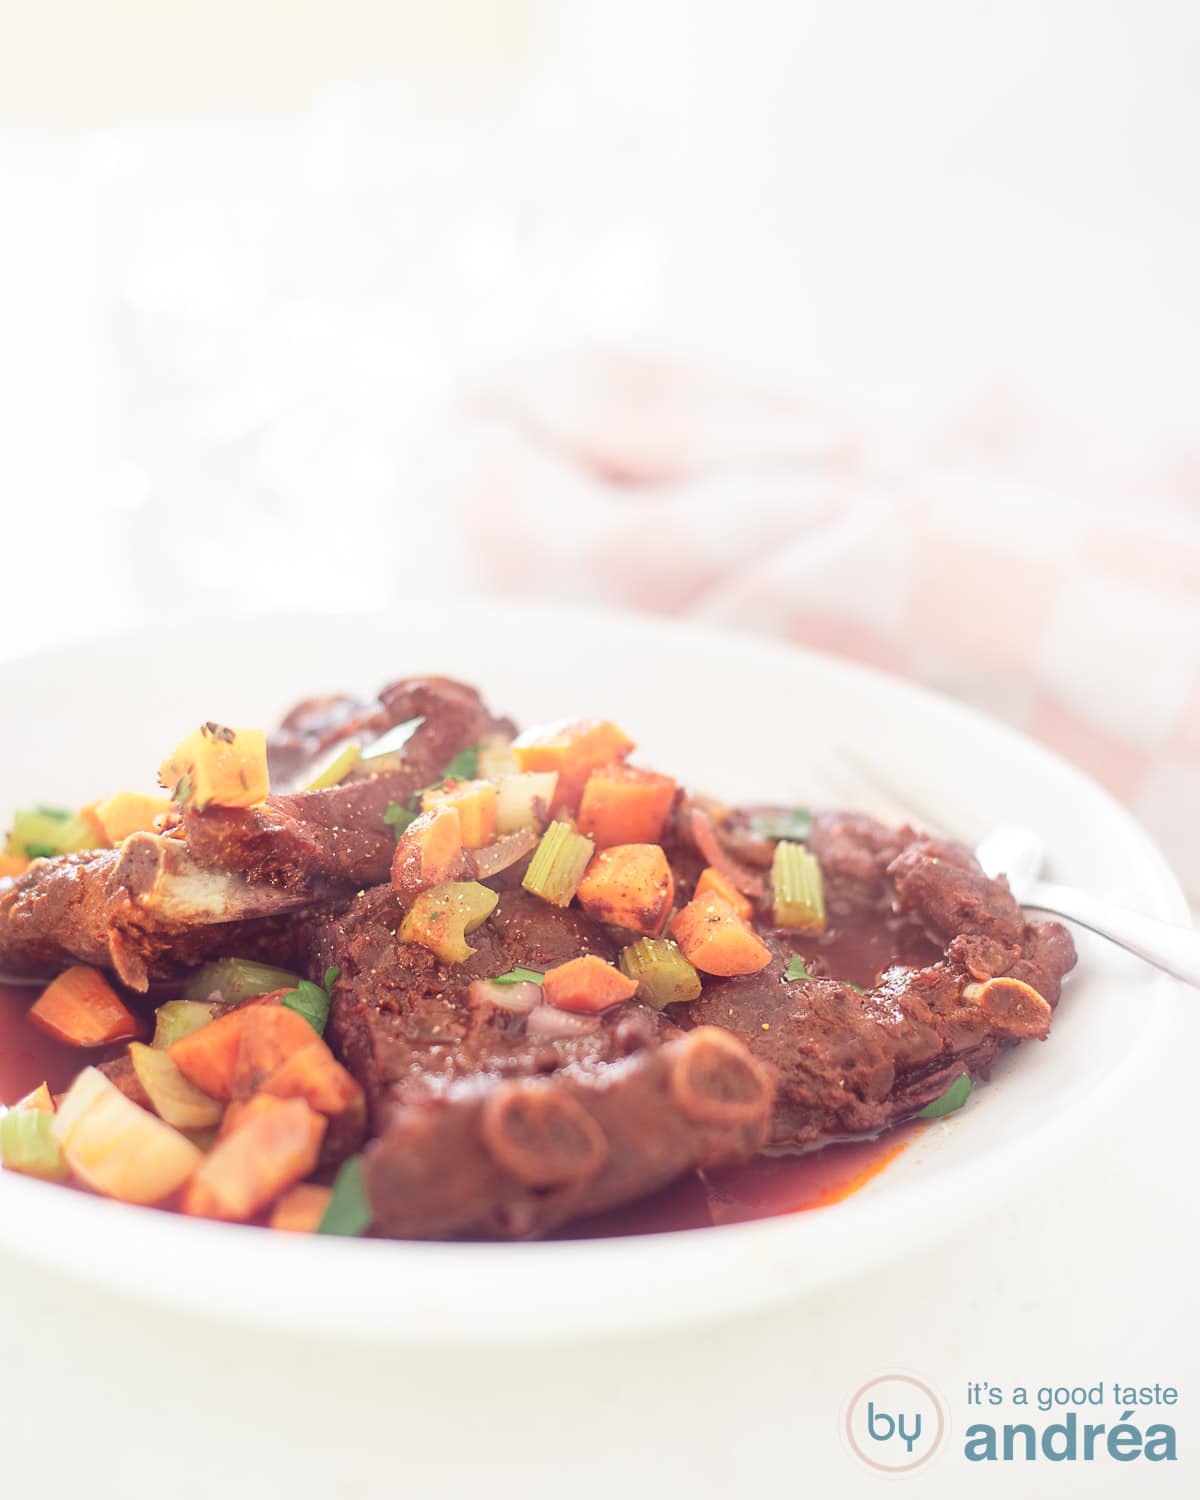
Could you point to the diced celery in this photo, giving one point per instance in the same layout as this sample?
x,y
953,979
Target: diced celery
x,y
336,769
519,797
43,832
439,919
179,1018
27,1144
175,1100
663,975
797,889
558,864
393,740
237,979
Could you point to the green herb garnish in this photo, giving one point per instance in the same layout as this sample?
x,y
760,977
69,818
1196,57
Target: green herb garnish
x,y
796,969
945,1104
182,790
519,976
348,1211
398,816
312,1001
464,766
793,823
40,851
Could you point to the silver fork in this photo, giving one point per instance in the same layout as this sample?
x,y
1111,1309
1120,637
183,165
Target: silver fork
x,y
1019,854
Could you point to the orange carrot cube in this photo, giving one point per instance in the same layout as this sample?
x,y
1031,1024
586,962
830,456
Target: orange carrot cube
x,y
82,1008
587,984
713,883
625,805
429,851
475,803
630,885
301,1208
574,748
269,1151
716,940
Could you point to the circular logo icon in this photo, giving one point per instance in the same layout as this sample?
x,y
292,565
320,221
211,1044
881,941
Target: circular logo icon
x,y
895,1423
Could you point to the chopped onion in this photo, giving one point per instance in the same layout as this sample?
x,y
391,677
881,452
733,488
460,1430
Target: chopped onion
x,y
520,998
523,798
493,858
549,1023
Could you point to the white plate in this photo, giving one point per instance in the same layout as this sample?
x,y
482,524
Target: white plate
x,y
742,717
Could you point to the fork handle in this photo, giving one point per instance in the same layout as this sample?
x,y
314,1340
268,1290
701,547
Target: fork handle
x,y
1175,949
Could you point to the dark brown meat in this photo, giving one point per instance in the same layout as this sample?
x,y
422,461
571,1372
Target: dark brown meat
x,y
484,1130
146,910
339,833
851,1061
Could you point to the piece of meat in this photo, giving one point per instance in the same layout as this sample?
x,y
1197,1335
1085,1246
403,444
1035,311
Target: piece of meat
x,y
339,833
145,909
850,1061
485,1130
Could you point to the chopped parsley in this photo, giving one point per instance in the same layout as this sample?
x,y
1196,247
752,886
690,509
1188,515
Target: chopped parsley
x,y
519,976
312,1000
792,823
464,766
945,1104
348,1211
40,851
796,969
398,816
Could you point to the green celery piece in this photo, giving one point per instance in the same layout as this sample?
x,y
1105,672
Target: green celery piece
x,y
393,740
519,976
237,979
558,864
44,832
179,1018
336,769
464,765
945,1104
348,1211
797,889
784,823
664,977
27,1144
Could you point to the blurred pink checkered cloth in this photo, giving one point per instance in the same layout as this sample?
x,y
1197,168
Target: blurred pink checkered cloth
x,y
1065,604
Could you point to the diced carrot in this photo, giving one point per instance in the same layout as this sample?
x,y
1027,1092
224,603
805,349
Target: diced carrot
x,y
208,1056
40,1099
271,1150
270,1035
428,852
82,1008
301,1208
239,1111
13,865
712,882
128,812
91,816
315,1075
716,940
625,805
475,802
216,765
586,984
630,885
574,748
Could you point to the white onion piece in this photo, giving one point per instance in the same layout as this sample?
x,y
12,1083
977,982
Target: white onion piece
x,y
520,998
493,858
551,1024
522,799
